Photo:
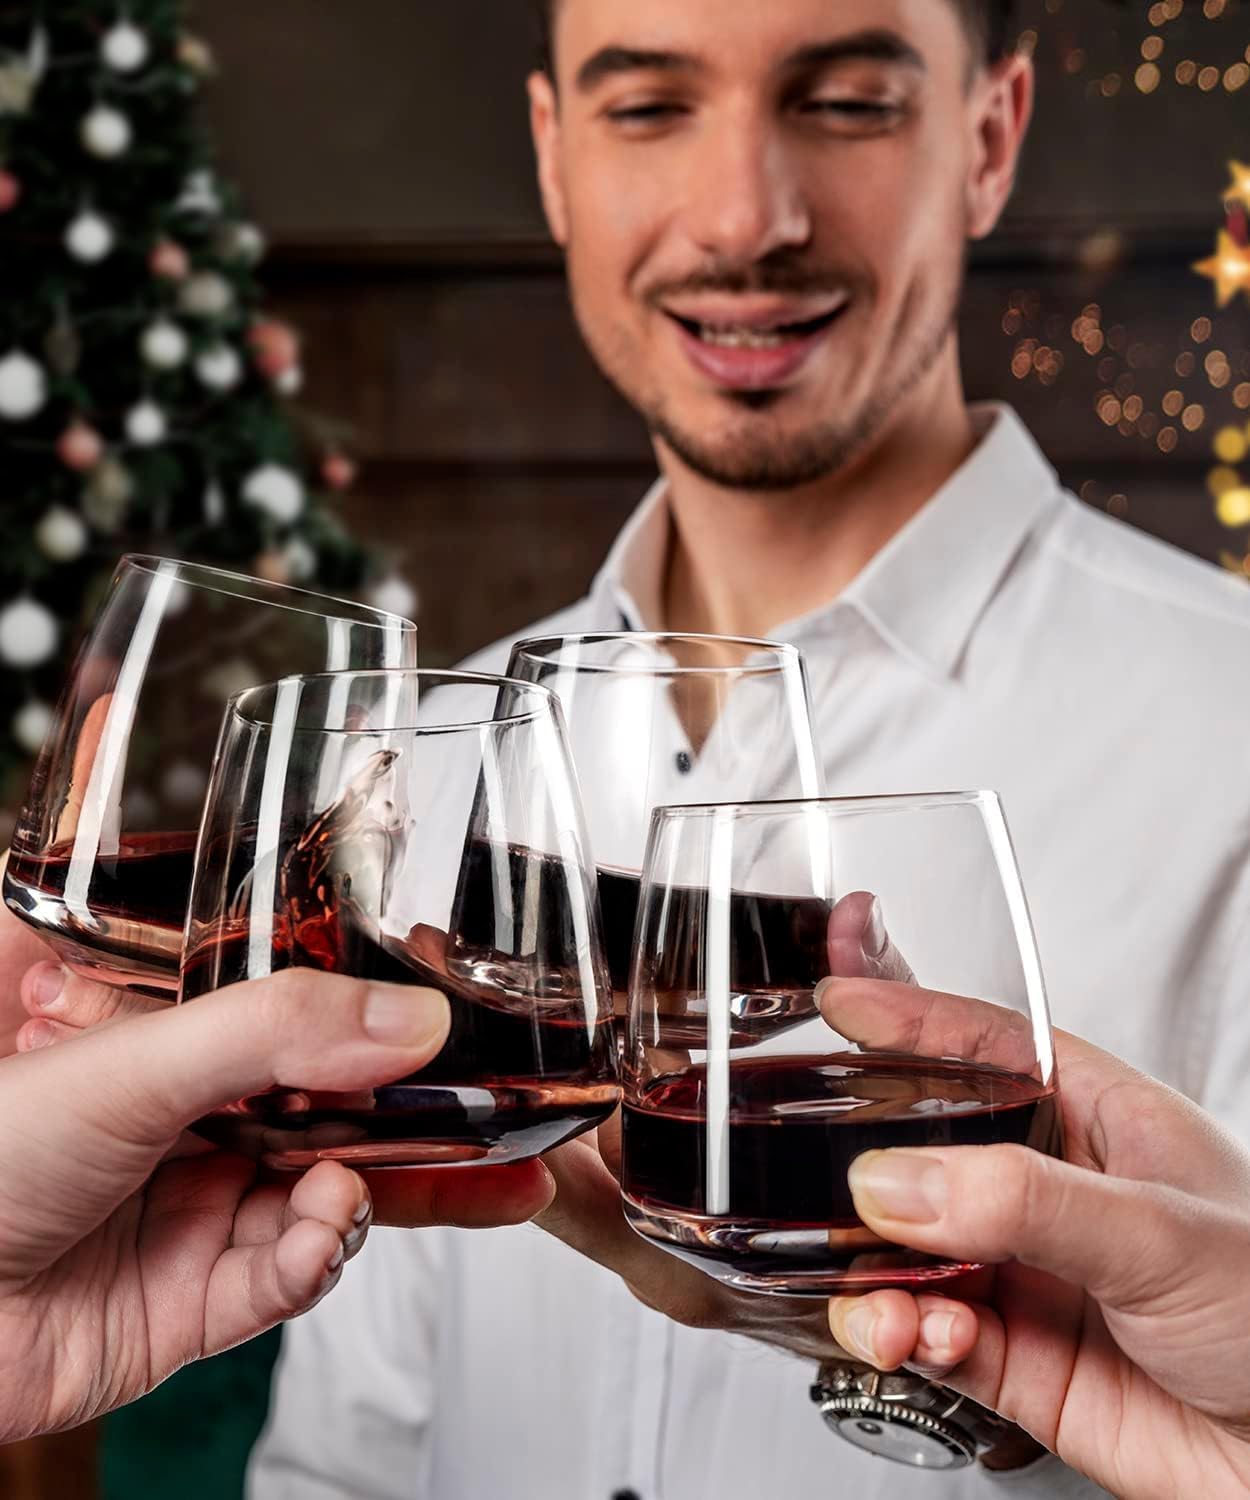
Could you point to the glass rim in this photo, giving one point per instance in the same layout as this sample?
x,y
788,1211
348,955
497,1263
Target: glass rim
x,y
547,703
863,803
785,653
352,612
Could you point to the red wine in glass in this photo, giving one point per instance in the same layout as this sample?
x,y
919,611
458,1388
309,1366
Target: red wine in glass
x,y
795,1125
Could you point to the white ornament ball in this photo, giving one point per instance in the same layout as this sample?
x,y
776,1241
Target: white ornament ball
x,y
23,386
234,675
290,382
184,784
146,424
395,597
246,243
107,495
199,194
164,345
276,491
214,504
89,237
124,48
28,633
106,132
61,534
300,559
32,725
206,295
219,368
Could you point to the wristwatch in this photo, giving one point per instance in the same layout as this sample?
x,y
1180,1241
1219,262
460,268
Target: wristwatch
x,y
904,1417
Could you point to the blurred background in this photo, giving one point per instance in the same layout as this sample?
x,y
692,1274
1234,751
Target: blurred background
x,y
382,149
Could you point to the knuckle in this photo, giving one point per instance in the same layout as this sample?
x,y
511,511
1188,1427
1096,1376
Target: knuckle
x,y
1001,1193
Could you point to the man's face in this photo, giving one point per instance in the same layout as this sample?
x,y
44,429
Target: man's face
x,y
765,205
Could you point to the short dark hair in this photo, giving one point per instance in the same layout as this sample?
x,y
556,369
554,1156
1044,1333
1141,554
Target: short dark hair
x,y
988,20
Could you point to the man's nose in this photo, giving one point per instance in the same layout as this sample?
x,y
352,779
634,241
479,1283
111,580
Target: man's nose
x,y
744,198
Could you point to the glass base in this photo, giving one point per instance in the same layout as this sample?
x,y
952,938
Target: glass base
x,y
789,1260
409,1124
138,957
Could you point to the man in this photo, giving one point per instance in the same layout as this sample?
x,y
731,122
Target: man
x,y
765,208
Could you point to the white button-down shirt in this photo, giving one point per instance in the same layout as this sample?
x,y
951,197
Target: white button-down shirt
x,y
1009,638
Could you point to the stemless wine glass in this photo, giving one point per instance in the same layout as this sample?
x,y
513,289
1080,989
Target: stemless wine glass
x,y
932,1029
420,828
102,852
667,719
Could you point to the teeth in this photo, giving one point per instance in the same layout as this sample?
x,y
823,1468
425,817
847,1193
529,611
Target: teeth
x,y
740,338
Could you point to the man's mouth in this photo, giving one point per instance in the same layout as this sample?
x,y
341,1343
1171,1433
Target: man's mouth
x,y
752,336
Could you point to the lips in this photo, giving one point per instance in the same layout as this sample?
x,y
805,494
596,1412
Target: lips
x,y
754,350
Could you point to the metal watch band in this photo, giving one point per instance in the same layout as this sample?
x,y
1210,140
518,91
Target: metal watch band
x,y
904,1417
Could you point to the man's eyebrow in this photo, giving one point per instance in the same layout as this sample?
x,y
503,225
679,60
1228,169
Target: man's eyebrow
x,y
862,46
611,60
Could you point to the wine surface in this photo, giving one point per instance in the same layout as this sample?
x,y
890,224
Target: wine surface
x,y
778,1215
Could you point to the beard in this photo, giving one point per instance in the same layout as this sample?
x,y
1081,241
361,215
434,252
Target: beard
x,y
756,449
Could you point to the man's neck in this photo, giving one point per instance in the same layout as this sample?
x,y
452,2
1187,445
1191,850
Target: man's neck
x,y
741,562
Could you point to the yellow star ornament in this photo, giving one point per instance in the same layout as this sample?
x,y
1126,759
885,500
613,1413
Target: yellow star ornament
x,y
1239,190
1229,268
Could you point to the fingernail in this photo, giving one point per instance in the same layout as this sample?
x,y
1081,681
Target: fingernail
x,y
899,1185
404,1016
875,936
37,1034
336,1260
46,987
362,1212
821,990
860,1325
936,1329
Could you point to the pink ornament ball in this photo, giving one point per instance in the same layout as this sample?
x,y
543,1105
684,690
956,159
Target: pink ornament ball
x,y
275,347
169,261
80,447
10,191
338,471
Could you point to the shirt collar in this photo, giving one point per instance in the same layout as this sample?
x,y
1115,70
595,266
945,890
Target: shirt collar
x,y
924,591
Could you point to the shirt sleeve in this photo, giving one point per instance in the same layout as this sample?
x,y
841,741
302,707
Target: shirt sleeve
x,y
353,1401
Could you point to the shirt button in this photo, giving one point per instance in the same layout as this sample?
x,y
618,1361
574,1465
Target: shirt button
x,y
685,765
625,1495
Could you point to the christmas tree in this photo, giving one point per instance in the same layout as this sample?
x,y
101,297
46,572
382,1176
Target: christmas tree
x,y
144,395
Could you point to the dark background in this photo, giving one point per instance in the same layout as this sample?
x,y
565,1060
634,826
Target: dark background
x,y
383,146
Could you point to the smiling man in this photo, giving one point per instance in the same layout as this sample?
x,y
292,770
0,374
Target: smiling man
x,y
766,207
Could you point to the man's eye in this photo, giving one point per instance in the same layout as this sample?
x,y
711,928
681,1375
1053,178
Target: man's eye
x,y
643,114
867,110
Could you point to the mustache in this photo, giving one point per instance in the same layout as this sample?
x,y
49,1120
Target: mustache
x,y
793,277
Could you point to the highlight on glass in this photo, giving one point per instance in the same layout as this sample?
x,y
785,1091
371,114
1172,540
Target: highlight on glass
x,y
814,980
419,828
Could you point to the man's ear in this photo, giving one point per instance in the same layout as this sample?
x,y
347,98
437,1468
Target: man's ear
x,y
545,128
1003,105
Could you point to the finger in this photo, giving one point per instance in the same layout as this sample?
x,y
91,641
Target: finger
x,y
929,1334
884,1016
52,991
329,1192
859,944
125,1091
997,1203
465,1197
252,1289
36,1034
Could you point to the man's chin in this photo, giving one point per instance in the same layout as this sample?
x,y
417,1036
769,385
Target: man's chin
x,y
772,461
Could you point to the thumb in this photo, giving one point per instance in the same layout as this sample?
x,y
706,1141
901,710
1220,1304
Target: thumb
x,y
110,1102
995,1203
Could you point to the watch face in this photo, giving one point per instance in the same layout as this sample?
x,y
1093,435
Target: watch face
x,y
899,1433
